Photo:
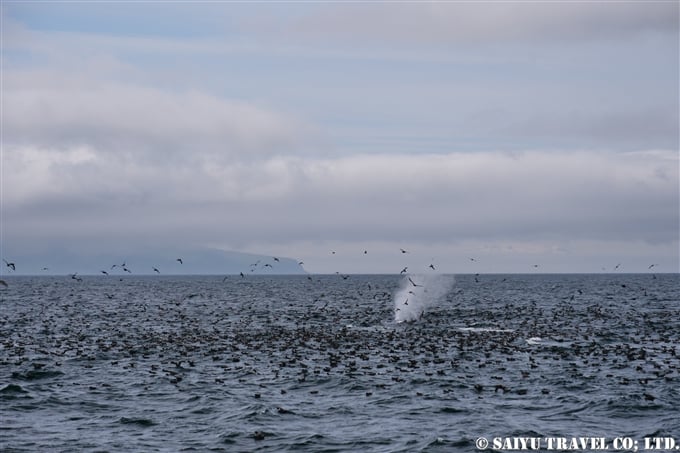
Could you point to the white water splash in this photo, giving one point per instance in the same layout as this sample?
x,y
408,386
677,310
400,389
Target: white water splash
x,y
419,292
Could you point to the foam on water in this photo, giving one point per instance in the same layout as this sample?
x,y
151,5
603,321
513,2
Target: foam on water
x,y
417,293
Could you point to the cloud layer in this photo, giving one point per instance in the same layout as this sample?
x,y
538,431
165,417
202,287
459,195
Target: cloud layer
x,y
513,132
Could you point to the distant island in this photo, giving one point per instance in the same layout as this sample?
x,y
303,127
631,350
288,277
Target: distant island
x,y
154,262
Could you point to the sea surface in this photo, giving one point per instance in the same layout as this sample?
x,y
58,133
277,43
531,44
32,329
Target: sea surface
x,y
358,363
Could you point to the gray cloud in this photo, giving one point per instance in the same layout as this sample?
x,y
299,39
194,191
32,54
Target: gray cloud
x,y
566,158
446,23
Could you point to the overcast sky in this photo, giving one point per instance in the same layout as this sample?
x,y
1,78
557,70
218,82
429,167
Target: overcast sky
x,y
514,133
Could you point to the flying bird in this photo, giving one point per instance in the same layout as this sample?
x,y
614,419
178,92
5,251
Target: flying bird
x,y
10,265
275,258
431,266
104,272
403,251
412,282
652,265
404,270
617,266
180,260
156,270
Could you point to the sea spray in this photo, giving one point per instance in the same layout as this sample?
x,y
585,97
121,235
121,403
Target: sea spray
x,y
419,292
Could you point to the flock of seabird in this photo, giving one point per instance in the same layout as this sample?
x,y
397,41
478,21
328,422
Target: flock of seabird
x,y
290,345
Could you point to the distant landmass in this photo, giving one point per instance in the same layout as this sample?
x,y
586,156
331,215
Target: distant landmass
x,y
193,262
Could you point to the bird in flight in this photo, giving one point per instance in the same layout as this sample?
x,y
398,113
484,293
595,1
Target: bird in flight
x,y
104,272
404,270
180,260
403,251
275,258
431,266
412,282
156,270
652,265
10,265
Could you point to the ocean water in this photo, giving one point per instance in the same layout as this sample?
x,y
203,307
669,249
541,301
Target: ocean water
x,y
364,363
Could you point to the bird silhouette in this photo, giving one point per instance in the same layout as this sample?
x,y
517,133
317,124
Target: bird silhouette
x,y
412,282
156,270
404,270
275,259
180,260
10,265
431,266
403,251
104,272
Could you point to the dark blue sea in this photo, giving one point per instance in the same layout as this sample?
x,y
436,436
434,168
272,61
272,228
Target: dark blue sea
x,y
359,363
